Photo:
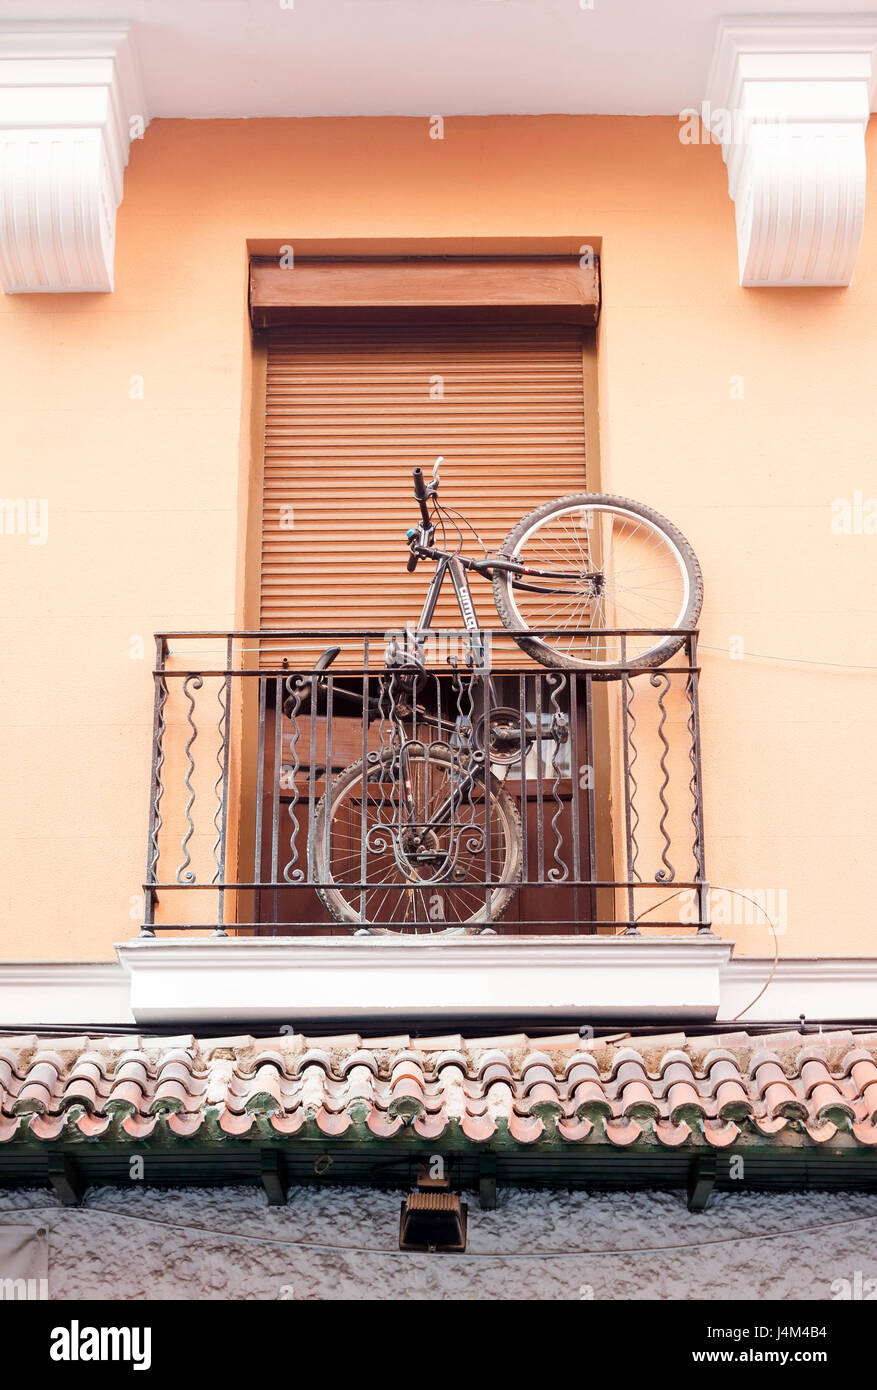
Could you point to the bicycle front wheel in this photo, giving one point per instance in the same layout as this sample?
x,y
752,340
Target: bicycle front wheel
x,y
617,564
427,850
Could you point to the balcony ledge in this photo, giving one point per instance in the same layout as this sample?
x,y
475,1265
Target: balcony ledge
x,y
292,980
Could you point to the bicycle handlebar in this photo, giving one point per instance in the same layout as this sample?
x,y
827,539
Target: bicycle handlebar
x,y
421,495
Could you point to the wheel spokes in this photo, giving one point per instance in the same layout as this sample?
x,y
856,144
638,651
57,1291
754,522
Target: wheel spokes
x,y
624,572
437,884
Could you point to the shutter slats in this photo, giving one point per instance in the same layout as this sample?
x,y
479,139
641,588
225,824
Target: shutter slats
x,y
348,415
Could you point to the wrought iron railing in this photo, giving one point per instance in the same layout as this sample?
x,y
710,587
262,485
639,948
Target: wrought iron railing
x,y
291,798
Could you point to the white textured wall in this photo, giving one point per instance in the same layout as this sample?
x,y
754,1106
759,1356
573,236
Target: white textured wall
x,y
93,1254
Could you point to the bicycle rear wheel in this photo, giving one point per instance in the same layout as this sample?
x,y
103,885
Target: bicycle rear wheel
x,y
623,566
421,873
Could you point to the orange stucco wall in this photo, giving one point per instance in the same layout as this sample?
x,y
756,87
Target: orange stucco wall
x,y
129,412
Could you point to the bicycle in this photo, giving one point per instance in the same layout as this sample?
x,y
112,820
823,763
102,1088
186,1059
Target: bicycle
x,y
581,583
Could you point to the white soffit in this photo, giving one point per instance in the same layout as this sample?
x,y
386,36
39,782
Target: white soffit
x,y
789,100
70,101
249,58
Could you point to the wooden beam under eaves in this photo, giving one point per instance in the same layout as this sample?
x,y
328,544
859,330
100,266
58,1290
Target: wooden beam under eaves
x,y
272,1171
64,1178
701,1182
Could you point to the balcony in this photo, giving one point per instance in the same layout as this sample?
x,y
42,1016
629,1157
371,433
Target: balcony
x,y
505,800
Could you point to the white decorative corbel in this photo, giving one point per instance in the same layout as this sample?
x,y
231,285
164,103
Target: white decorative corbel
x,y
789,99
70,102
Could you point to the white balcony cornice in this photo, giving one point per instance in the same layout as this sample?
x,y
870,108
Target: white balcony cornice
x,y
354,979
70,98
789,98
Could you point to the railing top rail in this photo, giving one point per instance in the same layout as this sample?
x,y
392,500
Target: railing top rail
x,y
349,670
276,633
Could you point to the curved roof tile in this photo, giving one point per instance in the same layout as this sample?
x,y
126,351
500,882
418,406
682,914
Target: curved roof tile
x,y
740,1088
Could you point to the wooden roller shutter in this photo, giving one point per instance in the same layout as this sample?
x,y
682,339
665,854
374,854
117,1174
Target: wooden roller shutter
x,y
350,411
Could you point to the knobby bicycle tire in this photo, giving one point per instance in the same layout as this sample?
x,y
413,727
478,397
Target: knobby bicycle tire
x,y
540,650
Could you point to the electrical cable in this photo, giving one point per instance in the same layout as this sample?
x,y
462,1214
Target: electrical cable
x,y
776,956
467,1255
718,888
792,660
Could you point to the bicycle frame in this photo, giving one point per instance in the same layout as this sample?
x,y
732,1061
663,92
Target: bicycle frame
x,y
455,566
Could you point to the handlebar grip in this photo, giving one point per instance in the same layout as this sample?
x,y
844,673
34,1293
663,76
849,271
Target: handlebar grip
x,y
412,563
421,494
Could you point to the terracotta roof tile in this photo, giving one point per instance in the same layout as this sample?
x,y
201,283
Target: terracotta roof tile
x,y
125,1098
333,1124
314,1056
543,1100
361,1057
479,1130
138,1128
169,1096
288,1123
684,1102
132,1068
93,1126
184,1125
638,1103
720,1133
820,1133
47,1126
671,1133
430,1127
525,1129
447,1042
782,1101
574,1131
580,1065
663,1090
79,1091
622,1132
590,1100
732,1102
537,1074
869,1097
